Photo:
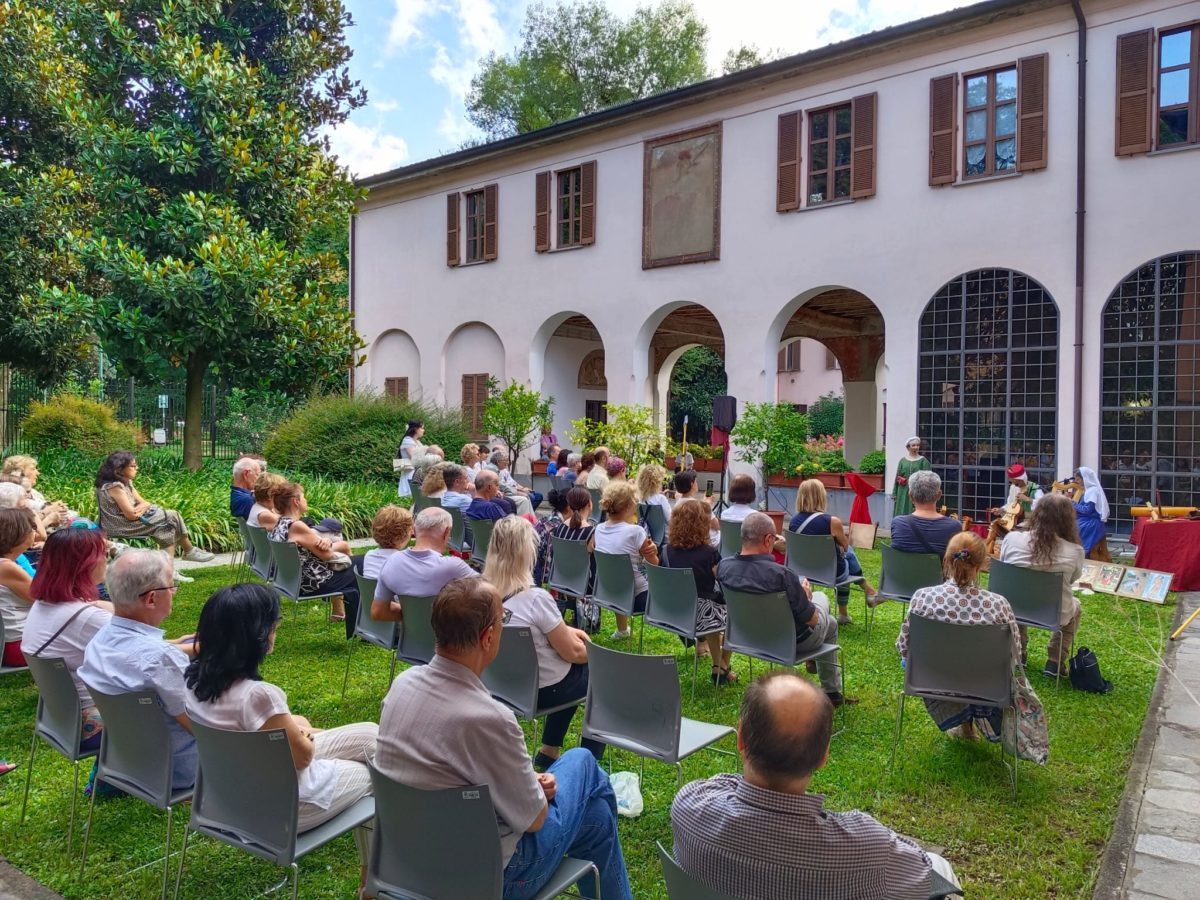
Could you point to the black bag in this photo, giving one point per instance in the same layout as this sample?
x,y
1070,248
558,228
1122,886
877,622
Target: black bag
x,y
1085,673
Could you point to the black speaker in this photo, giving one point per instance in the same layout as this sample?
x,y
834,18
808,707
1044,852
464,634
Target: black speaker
x,y
724,413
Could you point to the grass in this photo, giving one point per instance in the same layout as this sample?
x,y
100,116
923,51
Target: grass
x,y
1045,843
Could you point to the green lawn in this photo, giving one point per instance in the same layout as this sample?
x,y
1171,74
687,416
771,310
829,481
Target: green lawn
x,y
1046,843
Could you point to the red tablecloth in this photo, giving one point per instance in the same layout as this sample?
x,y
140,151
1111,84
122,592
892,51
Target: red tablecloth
x,y
1172,546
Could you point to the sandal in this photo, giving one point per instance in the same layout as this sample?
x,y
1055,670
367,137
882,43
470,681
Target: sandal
x,y
341,618
722,675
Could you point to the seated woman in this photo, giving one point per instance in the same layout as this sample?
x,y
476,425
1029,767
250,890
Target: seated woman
x,y
124,513
391,530
568,472
562,462
543,529
235,633
742,494
433,485
1091,510
616,468
577,526
14,495
650,488
17,527
67,610
316,577
960,600
688,548
687,488
524,500
619,533
262,513
51,515
561,649
811,518
471,459
1051,544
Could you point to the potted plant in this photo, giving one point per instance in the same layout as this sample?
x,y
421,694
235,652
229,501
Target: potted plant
x,y
515,414
830,459
872,467
707,458
769,436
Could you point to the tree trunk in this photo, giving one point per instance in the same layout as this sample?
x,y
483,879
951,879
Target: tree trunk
x,y
193,412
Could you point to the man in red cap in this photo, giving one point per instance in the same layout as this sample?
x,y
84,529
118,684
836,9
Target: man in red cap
x,y
1021,492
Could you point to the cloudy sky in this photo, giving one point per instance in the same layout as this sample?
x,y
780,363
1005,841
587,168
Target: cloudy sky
x,y
416,58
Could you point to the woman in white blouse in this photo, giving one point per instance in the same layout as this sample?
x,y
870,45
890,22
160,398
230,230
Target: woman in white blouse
x,y
620,533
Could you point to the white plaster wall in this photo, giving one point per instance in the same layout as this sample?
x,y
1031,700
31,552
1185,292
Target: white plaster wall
x,y
472,349
561,380
812,381
395,355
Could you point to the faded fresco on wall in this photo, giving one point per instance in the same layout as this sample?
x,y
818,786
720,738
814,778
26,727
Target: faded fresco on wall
x,y
682,198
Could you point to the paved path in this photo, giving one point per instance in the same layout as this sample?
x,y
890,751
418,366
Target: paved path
x,y
1155,847
229,559
16,885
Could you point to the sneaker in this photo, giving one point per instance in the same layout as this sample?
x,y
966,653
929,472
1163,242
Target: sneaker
x,y
196,554
873,600
180,578
622,635
839,699
1051,670
843,618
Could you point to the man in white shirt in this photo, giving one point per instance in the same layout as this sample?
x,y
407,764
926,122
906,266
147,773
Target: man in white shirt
x,y
130,653
421,571
441,728
459,490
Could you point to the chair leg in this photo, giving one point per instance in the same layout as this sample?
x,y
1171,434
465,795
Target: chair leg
x,y
166,852
346,677
678,776
28,776
87,830
182,857
899,729
695,669
295,880
74,799
641,634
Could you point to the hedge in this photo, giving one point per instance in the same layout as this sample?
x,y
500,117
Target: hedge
x,y
70,422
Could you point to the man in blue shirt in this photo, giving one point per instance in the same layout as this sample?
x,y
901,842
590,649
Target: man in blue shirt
x,y
241,495
487,490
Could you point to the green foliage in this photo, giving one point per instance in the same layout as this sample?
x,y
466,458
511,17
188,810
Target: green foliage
x,y
698,376
770,436
828,452
827,415
515,414
631,433
357,437
72,422
250,418
747,57
873,463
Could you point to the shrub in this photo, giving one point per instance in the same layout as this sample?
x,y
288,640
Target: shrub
x,y
827,415
771,435
351,438
72,422
250,419
873,463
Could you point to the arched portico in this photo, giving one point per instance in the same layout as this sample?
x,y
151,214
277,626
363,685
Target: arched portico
x,y
567,362
664,337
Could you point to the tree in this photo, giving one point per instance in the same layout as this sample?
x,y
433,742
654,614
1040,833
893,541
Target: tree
x,y
196,128
631,432
747,57
514,413
698,376
771,436
826,415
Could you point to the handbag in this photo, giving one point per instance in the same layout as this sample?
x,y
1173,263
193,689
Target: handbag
x,y
1023,729
153,516
1085,673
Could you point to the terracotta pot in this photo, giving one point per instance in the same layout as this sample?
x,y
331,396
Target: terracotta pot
x,y
792,481
831,479
539,466
875,481
708,465
777,516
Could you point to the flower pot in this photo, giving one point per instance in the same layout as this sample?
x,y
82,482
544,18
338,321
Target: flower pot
x,y
540,465
777,516
779,480
831,479
708,465
875,481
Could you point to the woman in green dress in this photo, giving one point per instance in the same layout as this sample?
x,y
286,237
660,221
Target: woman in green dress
x,y
912,462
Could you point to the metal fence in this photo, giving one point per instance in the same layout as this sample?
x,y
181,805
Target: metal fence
x,y
155,407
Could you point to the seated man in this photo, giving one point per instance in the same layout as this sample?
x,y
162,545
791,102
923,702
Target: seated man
x,y
241,495
762,836
129,653
440,728
459,490
524,499
754,571
422,570
1023,496
924,530
487,503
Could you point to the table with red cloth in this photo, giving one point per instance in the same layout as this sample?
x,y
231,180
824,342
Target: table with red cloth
x,y
1169,546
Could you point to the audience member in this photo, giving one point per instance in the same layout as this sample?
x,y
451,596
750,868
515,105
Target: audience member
x,y
17,532
262,514
754,571
811,518
459,490
241,494
544,528
67,610
587,462
650,488
616,468
485,503
924,530
130,653
225,690
597,477
124,513
471,459
558,461
687,488
421,571
762,836
14,495
433,456
433,485
561,650
51,514
390,529
743,491
619,533
440,728
316,554
577,526
524,500
570,473
688,548
1051,544
548,442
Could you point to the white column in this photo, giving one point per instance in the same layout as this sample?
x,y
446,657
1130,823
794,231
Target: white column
x,y
861,429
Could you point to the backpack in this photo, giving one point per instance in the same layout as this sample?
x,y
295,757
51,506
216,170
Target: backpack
x,y
1085,673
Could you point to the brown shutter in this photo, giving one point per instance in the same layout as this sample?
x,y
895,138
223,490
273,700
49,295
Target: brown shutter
x,y
587,203
452,207
396,387
943,111
1032,101
862,155
541,214
474,396
787,179
1135,71
489,221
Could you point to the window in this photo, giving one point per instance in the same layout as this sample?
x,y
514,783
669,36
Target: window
x,y
569,207
830,134
990,123
476,208
831,360
565,208
474,398
396,387
789,358
478,228
1178,65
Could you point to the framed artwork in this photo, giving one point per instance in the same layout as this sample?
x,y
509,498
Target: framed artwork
x,y
1109,579
862,535
1133,584
1157,586
681,198
1091,574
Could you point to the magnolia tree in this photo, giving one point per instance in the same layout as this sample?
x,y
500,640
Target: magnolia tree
x,y
516,414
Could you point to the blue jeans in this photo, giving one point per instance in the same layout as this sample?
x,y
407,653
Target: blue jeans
x,y
581,822
848,566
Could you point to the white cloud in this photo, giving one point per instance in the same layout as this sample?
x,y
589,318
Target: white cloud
x,y
454,128
406,21
455,76
367,151
385,105
480,28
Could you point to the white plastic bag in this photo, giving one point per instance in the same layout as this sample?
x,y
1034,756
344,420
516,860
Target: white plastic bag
x,y
629,794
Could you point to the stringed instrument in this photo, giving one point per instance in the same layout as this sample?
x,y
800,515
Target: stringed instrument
x,y
966,520
1010,516
1068,488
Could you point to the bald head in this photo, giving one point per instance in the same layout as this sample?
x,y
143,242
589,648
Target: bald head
x,y
487,483
784,728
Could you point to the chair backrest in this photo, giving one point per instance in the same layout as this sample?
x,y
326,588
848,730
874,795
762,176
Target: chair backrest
x,y
1035,596
416,630
949,659
634,697
263,561
656,521
247,543
246,790
903,574
481,529
420,501
458,527
287,568
382,634
570,567
512,677
59,718
760,625
615,588
135,750
812,556
440,845
597,512
681,885
731,539
672,602
4,670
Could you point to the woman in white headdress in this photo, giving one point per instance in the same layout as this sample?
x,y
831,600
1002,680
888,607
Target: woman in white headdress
x,y
913,461
1092,512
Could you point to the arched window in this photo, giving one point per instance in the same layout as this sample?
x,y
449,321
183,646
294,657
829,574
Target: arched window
x,y
1150,389
988,385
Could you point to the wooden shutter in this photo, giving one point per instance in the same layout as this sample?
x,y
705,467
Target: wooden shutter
x,y
474,396
541,212
452,208
1135,85
787,179
587,203
943,112
396,387
1032,103
862,154
489,221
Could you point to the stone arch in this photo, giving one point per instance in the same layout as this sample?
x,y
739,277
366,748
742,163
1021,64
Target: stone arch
x,y
557,353
667,334
395,355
